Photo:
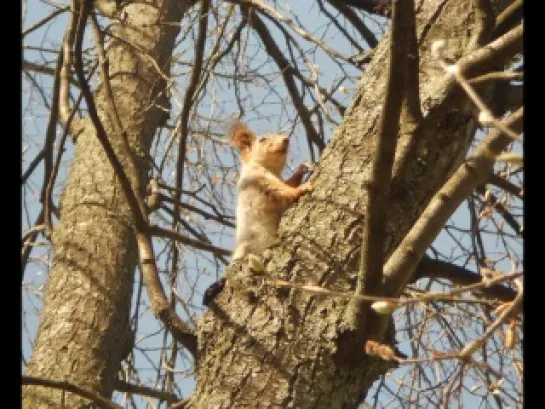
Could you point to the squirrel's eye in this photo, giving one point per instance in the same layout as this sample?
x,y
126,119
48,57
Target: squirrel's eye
x,y
262,139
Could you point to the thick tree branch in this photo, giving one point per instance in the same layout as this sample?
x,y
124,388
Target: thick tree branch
x,y
137,207
494,53
292,323
411,113
159,304
372,251
471,173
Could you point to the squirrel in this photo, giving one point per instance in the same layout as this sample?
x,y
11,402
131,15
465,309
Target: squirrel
x,y
262,195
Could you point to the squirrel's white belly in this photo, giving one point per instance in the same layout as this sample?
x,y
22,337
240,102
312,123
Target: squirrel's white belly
x,y
256,225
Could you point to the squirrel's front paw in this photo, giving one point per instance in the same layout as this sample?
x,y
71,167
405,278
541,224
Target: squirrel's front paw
x,y
305,188
305,167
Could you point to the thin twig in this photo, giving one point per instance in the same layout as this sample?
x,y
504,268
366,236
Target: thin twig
x,y
503,76
101,401
450,296
500,182
45,196
123,386
460,276
287,74
358,24
171,234
473,346
45,20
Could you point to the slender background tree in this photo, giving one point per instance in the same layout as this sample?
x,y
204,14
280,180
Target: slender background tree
x,y
396,283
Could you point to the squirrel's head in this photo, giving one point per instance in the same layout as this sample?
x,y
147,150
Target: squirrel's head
x,y
269,150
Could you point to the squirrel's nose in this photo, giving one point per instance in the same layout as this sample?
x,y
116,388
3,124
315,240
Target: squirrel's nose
x,y
285,141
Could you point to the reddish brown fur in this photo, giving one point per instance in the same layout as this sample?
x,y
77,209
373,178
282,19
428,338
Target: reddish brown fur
x,y
262,195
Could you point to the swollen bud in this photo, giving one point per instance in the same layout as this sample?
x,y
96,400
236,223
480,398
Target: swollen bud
x,y
384,307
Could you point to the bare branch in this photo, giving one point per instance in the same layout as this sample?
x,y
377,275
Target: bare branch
x,y
503,76
476,344
159,232
508,18
45,20
208,216
380,7
137,207
494,53
101,401
505,185
500,208
266,9
287,73
160,305
358,24
123,386
190,93
339,27
45,197
471,173
460,276
44,69
372,251
66,60
411,113
30,238
35,162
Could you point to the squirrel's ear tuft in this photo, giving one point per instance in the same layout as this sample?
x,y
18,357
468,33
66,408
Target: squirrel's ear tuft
x,y
240,136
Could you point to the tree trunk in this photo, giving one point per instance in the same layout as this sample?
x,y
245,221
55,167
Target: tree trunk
x,y
266,347
84,328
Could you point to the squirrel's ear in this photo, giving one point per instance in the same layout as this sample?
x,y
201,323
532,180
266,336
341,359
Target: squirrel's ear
x,y
240,136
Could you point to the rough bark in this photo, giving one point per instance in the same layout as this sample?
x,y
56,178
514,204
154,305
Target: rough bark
x,y
84,327
266,347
